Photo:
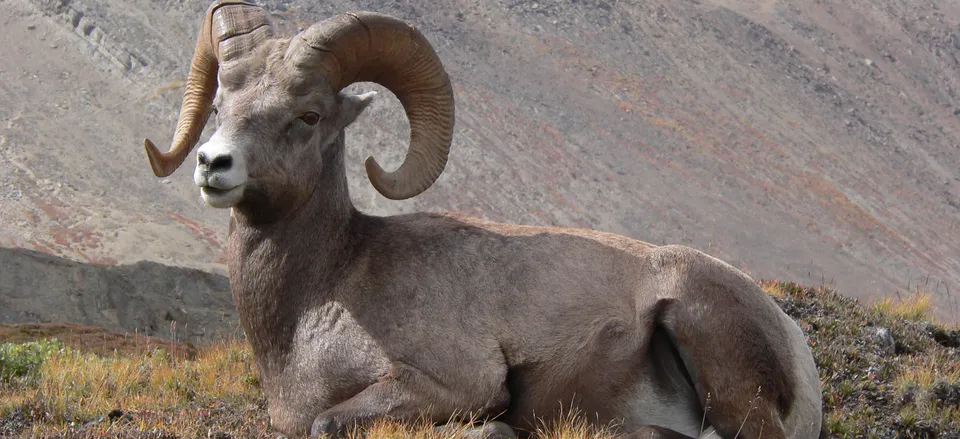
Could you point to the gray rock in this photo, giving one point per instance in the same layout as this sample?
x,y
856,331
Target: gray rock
x,y
885,340
146,297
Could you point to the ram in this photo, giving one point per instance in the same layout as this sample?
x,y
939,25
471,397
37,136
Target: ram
x,y
437,316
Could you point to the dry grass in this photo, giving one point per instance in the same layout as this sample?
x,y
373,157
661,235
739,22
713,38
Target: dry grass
x,y
915,307
925,371
78,386
905,384
774,289
570,425
910,389
155,390
156,394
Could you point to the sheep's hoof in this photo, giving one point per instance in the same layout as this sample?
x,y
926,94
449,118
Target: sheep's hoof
x,y
489,430
654,432
327,427
495,430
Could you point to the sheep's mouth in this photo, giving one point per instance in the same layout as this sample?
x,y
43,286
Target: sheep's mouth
x,y
221,197
215,191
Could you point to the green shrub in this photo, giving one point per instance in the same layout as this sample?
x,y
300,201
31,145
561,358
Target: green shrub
x,y
22,361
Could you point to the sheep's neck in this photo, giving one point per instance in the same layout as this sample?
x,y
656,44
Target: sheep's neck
x,y
276,267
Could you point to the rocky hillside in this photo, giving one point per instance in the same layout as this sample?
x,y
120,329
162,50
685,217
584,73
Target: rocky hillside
x,y
811,140
145,298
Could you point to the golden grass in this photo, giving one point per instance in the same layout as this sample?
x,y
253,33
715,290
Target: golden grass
x,y
915,307
167,424
572,425
774,289
160,394
157,392
568,427
76,386
924,372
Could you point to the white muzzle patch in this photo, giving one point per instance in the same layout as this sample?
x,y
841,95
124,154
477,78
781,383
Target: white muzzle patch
x,y
221,172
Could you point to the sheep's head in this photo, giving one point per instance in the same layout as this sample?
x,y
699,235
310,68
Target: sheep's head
x,y
280,105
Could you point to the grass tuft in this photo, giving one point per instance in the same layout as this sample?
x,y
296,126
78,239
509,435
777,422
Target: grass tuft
x,y
916,307
774,289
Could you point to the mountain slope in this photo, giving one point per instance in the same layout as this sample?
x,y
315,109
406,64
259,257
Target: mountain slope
x,y
809,140
145,298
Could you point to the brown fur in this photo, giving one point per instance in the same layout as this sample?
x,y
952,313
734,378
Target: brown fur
x,y
355,317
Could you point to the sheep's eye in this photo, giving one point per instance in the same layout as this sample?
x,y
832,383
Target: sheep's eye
x,y
310,118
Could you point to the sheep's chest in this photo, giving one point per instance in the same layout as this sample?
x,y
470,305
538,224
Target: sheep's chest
x,y
332,358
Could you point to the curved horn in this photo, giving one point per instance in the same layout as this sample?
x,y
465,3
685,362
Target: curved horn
x,y
229,30
367,46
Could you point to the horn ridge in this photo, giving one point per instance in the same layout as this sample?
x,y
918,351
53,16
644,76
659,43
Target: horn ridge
x,y
223,20
369,46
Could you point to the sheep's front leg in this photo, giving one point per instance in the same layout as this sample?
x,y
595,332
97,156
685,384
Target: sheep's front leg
x,y
654,432
408,395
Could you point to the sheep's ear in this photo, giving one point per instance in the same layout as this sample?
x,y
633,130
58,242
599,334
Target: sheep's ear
x,y
352,105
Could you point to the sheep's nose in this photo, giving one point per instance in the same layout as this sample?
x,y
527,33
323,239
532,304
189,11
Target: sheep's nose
x,y
220,162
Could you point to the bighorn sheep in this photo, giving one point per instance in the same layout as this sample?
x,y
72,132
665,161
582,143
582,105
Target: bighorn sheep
x,y
354,317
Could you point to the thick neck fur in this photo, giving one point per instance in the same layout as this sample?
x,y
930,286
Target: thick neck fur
x,y
277,265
